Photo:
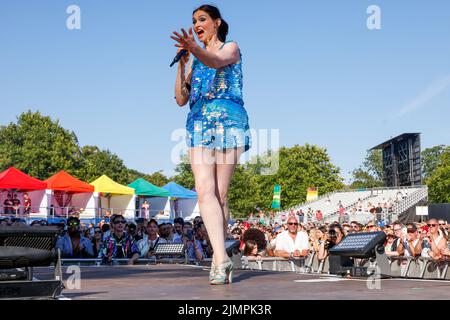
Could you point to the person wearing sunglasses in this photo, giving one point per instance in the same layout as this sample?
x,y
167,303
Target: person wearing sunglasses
x,y
119,244
292,243
73,245
436,240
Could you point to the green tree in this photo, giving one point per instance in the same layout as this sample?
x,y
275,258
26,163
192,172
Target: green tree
x,y
439,181
370,173
39,146
103,162
184,175
431,159
299,168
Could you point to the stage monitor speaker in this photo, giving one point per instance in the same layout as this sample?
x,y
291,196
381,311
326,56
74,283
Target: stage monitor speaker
x,y
23,247
170,249
359,245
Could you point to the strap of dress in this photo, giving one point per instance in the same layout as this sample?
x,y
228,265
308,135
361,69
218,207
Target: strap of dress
x,y
225,44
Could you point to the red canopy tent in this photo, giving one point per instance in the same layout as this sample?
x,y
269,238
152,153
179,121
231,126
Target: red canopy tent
x,y
16,179
62,181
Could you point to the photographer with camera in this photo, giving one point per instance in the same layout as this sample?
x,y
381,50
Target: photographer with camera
x,y
193,245
333,237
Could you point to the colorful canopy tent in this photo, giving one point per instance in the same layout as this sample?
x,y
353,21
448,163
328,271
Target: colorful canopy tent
x,y
114,197
104,184
145,188
13,179
16,179
62,181
157,198
70,193
177,191
183,202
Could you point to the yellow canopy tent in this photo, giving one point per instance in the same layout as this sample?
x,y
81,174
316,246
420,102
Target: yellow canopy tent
x,y
122,197
104,184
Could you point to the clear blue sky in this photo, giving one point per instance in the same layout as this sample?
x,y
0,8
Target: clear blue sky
x,y
312,69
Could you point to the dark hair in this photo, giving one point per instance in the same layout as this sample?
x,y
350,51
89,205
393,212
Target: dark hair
x,y
179,220
249,246
214,13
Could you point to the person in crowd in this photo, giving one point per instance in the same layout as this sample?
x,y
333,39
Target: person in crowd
x,y
178,225
26,204
341,214
371,227
119,244
132,230
318,236
97,241
73,245
411,245
251,249
389,245
291,243
8,205
145,210
141,226
16,204
106,230
165,232
194,246
335,235
151,239
356,227
436,240
201,234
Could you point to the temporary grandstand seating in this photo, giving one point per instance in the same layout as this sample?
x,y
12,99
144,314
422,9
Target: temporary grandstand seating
x,y
401,199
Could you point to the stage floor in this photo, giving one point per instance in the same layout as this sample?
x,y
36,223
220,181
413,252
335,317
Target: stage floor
x,y
179,282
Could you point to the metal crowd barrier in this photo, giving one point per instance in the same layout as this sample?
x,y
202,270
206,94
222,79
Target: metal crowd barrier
x,y
403,267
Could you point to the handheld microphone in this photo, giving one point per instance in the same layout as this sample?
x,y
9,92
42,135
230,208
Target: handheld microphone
x,y
178,57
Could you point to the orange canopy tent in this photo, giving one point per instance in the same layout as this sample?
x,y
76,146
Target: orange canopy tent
x,y
62,181
16,179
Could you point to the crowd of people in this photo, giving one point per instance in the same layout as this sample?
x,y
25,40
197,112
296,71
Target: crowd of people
x,y
262,236
12,204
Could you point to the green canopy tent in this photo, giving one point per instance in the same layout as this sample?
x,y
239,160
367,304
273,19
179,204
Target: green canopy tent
x,y
158,198
146,189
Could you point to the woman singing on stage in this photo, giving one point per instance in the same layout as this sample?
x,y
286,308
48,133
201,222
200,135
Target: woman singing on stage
x,y
217,124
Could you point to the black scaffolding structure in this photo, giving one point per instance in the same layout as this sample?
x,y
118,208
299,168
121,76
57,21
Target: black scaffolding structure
x,y
402,164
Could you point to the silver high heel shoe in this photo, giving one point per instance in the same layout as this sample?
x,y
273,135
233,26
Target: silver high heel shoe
x,y
212,273
223,274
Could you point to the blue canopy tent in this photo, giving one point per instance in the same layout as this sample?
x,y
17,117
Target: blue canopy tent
x,y
183,202
177,191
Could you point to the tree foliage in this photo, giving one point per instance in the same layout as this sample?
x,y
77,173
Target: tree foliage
x,y
370,173
439,179
39,146
431,159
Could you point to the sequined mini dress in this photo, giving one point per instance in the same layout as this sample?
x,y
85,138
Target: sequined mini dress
x,y
217,119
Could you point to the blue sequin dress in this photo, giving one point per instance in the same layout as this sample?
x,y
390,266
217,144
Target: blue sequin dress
x,y
218,119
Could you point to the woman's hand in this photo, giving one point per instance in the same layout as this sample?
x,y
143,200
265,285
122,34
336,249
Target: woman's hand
x,y
185,41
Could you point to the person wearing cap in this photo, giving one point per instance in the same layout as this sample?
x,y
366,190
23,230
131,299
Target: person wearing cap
x,y
73,245
411,245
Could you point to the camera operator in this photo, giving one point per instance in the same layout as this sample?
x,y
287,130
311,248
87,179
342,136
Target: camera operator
x,y
193,245
334,236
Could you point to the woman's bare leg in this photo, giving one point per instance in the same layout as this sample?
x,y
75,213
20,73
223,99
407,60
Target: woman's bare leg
x,y
204,169
226,163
